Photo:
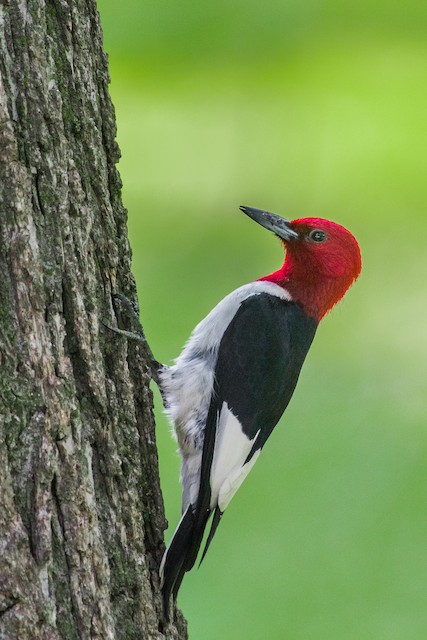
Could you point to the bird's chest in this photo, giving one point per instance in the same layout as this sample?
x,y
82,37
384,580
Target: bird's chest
x,y
188,390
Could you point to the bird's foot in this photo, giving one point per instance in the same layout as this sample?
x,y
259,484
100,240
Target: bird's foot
x,y
132,308
137,335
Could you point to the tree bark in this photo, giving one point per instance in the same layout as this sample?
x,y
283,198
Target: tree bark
x,y
81,512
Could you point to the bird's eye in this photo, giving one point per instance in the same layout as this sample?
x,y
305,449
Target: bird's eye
x,y
317,235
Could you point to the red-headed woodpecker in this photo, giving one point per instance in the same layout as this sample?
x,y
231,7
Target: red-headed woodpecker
x,y
236,375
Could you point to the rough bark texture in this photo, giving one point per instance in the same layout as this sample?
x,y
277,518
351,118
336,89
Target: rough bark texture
x,y
81,512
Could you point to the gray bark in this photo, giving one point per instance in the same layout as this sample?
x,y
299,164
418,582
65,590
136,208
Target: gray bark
x,y
81,512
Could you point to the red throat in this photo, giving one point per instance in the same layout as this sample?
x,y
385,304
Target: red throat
x,y
317,296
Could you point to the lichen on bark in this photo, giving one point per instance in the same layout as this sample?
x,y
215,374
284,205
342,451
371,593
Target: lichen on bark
x,y
81,512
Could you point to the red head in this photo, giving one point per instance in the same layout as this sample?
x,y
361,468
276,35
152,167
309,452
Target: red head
x,y
322,260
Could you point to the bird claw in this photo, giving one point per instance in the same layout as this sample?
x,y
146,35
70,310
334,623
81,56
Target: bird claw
x,y
131,335
138,335
132,307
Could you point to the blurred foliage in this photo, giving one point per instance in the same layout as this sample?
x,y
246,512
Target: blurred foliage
x,y
314,108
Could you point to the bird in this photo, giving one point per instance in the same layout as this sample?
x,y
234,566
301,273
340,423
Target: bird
x,y
234,378
232,382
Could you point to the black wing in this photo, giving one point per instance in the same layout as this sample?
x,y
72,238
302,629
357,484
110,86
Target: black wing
x,y
259,362
260,359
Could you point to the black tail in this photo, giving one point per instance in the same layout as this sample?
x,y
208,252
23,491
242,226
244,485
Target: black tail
x,y
181,554
215,522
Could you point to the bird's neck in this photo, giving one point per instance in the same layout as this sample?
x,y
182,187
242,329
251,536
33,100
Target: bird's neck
x,y
316,293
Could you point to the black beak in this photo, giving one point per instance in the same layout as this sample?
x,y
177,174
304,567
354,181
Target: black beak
x,y
273,223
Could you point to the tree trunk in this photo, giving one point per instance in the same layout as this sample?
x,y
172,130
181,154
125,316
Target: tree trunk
x,y
81,512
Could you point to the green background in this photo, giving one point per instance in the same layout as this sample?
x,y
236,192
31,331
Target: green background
x,y
303,108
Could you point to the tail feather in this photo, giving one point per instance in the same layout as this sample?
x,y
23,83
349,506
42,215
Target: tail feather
x,y
181,553
215,522
175,555
184,547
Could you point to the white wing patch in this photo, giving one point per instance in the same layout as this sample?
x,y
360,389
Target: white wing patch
x,y
228,469
233,482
